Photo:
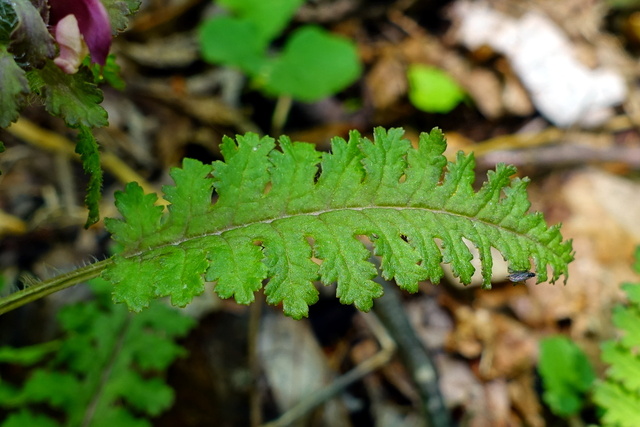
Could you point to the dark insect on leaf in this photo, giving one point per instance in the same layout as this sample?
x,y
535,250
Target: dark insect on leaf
x,y
520,276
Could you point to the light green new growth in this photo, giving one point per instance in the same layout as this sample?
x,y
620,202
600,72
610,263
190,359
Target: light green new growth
x,y
619,394
293,215
566,373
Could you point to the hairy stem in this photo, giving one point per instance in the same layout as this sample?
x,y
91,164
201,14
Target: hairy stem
x,y
55,284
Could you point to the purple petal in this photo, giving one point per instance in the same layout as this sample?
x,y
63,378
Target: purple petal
x,y
93,21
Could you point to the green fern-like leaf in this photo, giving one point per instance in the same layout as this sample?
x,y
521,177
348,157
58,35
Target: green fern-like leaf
x,y
73,97
103,371
294,216
619,394
566,373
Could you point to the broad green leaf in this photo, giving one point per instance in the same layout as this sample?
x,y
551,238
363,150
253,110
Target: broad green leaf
x,y
233,42
294,216
270,18
314,64
566,373
14,86
87,147
432,90
71,96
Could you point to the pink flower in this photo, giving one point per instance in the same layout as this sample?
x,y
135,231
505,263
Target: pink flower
x,y
92,21
73,49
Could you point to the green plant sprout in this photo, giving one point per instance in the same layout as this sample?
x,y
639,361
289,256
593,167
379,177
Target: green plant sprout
x,y
294,216
432,90
567,375
312,65
619,394
104,371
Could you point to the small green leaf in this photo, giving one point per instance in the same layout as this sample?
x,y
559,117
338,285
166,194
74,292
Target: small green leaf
x,y
628,319
233,42
119,12
432,90
636,264
566,373
269,17
54,388
87,147
152,396
25,418
14,86
633,292
140,215
624,365
31,41
73,97
27,355
313,65
109,74
8,21
119,417
164,351
172,323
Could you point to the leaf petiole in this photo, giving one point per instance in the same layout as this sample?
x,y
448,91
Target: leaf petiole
x,y
55,284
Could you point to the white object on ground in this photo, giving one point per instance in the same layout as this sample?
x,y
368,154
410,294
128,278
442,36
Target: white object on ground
x,y
563,89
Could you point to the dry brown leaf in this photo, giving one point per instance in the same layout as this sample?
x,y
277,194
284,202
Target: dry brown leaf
x,y
387,80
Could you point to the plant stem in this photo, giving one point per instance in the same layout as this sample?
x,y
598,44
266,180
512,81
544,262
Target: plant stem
x,y
280,114
55,284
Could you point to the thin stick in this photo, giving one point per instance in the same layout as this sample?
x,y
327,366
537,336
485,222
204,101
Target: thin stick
x,y
35,135
255,313
280,114
416,358
381,358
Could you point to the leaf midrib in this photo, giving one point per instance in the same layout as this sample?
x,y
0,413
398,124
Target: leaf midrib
x,y
219,232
